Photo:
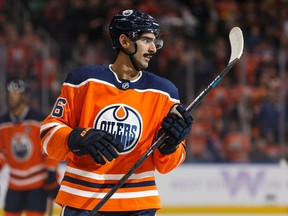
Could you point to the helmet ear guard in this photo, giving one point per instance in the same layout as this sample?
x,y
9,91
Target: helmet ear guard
x,y
133,23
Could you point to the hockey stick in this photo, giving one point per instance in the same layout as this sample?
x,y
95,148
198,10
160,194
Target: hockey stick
x,y
237,44
49,207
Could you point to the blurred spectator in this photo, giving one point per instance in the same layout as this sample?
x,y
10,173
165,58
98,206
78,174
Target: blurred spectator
x,y
177,63
18,53
198,151
258,152
96,18
268,117
236,144
204,69
81,51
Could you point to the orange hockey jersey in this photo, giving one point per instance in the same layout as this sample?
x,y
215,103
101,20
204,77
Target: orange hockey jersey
x,y
93,96
20,149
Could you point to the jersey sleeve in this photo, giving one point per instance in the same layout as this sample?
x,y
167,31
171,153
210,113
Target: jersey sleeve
x,y
50,163
166,163
59,123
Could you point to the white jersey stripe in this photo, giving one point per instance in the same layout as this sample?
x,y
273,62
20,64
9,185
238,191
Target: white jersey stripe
x,y
95,176
46,141
124,195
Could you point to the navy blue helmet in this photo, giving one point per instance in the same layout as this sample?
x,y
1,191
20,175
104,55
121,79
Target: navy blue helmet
x,y
133,23
16,85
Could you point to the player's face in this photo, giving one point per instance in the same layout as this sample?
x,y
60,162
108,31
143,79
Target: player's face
x,y
145,49
14,99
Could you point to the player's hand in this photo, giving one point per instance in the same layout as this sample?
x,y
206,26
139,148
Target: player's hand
x,y
101,145
176,125
51,184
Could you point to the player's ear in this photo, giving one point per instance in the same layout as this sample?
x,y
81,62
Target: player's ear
x,y
124,41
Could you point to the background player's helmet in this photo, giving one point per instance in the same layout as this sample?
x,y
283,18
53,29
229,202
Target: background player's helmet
x,y
16,85
133,23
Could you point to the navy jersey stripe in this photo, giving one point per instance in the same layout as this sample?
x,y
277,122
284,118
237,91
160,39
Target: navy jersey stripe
x,y
95,185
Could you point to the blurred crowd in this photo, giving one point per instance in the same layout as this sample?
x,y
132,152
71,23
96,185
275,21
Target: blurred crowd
x,y
244,119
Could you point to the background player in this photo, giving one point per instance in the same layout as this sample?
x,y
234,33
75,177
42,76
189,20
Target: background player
x,y
107,116
32,174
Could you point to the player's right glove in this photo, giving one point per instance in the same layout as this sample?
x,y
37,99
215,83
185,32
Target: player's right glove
x,y
101,145
176,125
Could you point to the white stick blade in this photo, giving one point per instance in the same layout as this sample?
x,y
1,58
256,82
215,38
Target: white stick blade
x,y
236,42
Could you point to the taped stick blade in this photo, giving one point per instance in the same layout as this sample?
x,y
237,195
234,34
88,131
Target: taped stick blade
x,y
236,42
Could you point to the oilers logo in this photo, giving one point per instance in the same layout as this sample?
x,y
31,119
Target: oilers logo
x,y
21,147
123,122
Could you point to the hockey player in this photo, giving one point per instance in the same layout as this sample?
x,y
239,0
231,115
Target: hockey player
x,y
106,118
32,177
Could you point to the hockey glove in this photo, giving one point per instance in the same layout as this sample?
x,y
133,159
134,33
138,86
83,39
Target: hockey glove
x,y
51,184
176,125
99,144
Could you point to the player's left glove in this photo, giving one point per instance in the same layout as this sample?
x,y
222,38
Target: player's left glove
x,y
100,145
177,125
51,184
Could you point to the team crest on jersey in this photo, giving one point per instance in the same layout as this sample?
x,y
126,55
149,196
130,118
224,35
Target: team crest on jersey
x,y
123,122
21,147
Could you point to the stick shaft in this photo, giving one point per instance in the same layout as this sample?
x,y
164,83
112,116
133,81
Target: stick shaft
x,y
50,206
201,96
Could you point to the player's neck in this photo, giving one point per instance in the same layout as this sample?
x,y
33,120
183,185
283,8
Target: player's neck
x,y
125,70
19,111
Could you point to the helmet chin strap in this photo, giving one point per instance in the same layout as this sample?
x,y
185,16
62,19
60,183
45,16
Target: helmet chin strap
x,y
131,56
